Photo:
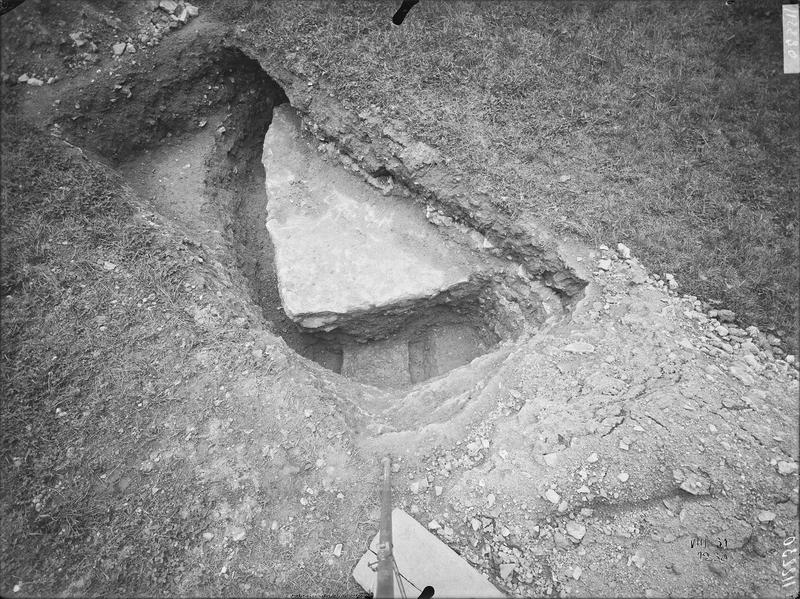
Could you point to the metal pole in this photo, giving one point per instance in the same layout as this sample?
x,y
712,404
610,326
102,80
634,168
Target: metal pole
x,y
385,583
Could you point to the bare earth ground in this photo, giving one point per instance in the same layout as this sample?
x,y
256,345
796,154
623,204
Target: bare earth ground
x,y
161,438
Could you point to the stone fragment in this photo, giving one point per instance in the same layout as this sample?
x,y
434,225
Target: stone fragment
x,y
438,490
766,516
168,6
785,468
604,264
579,347
506,570
560,540
637,560
576,572
337,551
434,525
552,496
623,477
576,530
119,49
35,82
23,78
593,457
624,251
551,459
726,315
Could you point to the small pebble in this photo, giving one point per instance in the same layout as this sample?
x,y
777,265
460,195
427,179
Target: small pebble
x,y
623,476
552,496
766,516
593,457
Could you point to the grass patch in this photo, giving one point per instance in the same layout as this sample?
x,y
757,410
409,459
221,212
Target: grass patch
x,y
672,121
92,338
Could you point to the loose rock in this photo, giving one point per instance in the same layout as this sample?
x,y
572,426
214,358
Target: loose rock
x,y
726,315
604,264
579,347
576,530
552,496
766,516
506,570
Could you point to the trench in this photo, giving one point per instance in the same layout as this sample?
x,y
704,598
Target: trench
x,y
353,278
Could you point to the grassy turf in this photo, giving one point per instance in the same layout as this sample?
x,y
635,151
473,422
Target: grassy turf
x,y
667,126
87,291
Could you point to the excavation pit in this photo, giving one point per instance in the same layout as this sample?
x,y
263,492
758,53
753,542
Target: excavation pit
x,y
352,275
388,298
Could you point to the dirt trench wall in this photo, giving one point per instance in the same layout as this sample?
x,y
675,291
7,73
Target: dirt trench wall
x,y
189,78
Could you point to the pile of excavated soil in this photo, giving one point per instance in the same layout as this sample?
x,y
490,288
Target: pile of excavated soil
x,y
632,446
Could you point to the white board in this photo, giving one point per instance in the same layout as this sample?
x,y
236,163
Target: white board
x,y
423,560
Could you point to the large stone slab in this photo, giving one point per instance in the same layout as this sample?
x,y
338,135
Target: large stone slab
x,y
342,249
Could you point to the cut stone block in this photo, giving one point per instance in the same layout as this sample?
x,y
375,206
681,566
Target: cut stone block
x,y
381,363
424,561
342,250
453,346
